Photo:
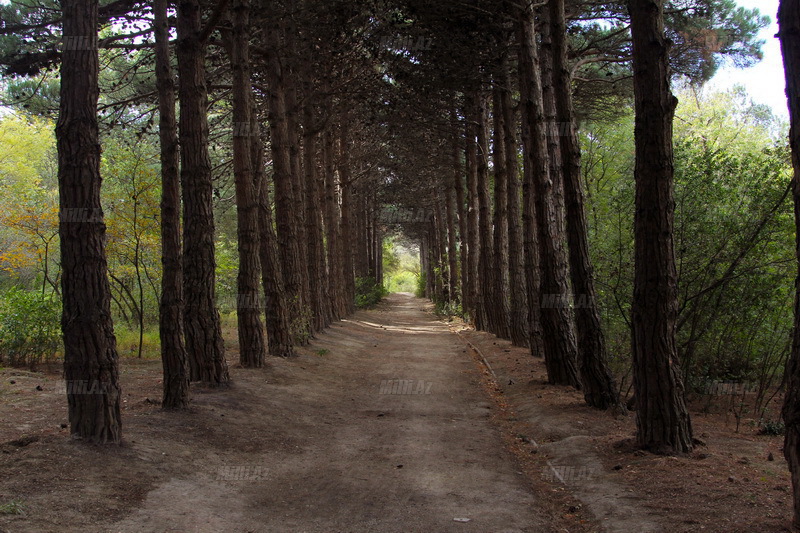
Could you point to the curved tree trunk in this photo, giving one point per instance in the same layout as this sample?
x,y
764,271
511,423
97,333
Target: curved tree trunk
x,y
597,382
170,312
662,420
90,352
248,306
789,23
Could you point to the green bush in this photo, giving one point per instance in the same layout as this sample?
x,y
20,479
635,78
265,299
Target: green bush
x,y
368,292
30,328
421,282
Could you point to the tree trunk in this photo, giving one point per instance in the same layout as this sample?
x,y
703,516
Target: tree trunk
x,y
789,24
473,233
279,335
248,306
483,319
320,308
90,352
499,304
663,423
519,321
170,312
558,340
597,382
331,216
346,191
280,140
202,327
460,212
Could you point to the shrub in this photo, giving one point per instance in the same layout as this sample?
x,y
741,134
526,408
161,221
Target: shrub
x,y
421,282
30,328
368,292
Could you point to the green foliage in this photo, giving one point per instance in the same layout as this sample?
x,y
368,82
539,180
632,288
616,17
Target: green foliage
x,y
300,325
128,341
30,328
449,309
368,292
733,237
771,427
419,291
12,507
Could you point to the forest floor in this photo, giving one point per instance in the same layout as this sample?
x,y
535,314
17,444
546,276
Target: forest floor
x,y
390,421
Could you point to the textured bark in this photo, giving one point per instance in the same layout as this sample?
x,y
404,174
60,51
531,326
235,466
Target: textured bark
x,y
174,358
461,213
285,209
202,327
789,34
597,382
318,287
346,191
483,319
90,353
557,339
498,305
331,217
452,243
276,309
473,234
519,319
440,248
248,307
662,420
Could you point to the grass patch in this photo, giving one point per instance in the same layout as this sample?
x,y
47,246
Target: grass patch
x,y
128,342
12,507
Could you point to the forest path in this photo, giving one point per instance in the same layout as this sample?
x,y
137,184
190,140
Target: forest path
x,y
333,442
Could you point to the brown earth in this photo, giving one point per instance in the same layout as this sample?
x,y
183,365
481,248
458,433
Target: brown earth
x,y
332,441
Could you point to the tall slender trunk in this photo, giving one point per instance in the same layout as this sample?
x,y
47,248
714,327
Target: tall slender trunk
x,y
519,321
276,308
557,338
662,419
789,24
346,191
331,216
316,247
285,208
460,206
484,319
248,307
174,359
90,352
473,233
202,326
499,304
597,382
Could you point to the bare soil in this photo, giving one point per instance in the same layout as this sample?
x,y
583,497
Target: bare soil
x,y
390,421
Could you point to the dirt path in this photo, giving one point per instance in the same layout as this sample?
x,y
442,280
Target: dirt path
x,y
365,451
380,426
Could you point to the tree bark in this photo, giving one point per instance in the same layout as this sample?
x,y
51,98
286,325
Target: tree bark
x,y
663,423
346,191
558,340
90,353
597,382
248,306
473,231
174,359
789,34
202,326
499,304
519,320
285,212
276,309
